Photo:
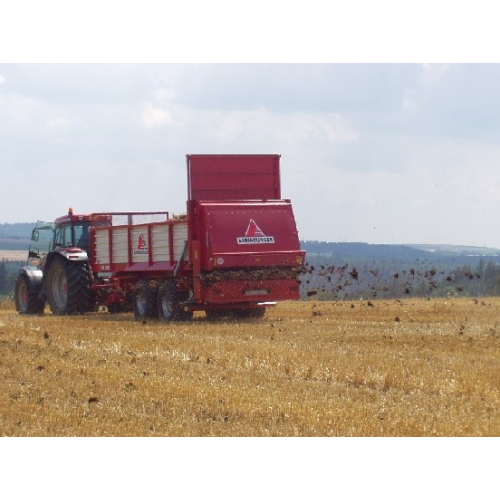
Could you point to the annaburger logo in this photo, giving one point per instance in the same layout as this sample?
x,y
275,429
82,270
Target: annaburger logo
x,y
254,235
142,245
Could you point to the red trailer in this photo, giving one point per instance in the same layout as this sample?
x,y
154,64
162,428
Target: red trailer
x,y
236,250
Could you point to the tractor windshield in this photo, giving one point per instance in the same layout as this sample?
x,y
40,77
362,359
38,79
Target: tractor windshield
x,y
73,235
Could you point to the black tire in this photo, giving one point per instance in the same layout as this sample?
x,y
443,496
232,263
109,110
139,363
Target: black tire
x,y
68,288
144,300
27,301
170,306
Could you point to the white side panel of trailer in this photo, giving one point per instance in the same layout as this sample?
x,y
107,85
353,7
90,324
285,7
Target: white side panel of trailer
x,y
120,245
102,247
160,237
140,242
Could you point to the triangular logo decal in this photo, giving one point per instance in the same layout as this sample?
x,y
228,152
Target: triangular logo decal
x,y
253,230
141,244
254,235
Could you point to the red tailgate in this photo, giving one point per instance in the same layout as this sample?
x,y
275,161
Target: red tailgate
x,y
248,234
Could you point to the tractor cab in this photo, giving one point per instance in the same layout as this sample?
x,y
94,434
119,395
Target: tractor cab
x,y
68,231
72,231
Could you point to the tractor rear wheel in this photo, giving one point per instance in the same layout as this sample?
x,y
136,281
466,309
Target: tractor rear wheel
x,y
68,288
27,301
170,303
144,299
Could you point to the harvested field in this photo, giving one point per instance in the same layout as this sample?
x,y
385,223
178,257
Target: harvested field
x,y
14,255
381,368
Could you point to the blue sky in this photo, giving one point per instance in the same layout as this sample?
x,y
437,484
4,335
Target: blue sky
x,y
373,149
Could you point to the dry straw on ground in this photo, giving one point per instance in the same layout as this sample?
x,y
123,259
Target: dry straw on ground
x,y
380,368
15,255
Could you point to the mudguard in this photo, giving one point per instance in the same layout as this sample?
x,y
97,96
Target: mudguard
x,y
35,277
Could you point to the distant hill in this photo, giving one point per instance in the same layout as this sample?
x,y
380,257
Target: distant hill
x,y
17,230
454,250
338,271
14,244
362,250
413,252
16,236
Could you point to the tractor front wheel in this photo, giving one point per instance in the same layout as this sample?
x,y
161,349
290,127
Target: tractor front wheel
x,y
27,301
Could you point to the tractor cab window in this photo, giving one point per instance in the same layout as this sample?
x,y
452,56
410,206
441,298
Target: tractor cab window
x,y
73,235
82,236
63,236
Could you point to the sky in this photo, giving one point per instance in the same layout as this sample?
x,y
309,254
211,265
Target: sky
x,y
377,153
373,149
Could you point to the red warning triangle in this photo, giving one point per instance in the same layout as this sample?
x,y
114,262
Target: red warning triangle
x,y
141,245
253,229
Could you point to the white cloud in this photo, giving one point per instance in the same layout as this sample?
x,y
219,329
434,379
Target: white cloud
x,y
2,79
313,127
58,124
433,73
155,117
165,95
283,129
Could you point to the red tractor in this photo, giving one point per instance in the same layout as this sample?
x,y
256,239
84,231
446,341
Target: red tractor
x,y
57,270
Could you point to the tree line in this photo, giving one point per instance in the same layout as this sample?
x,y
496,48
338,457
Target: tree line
x,y
8,275
17,230
345,271
328,278
324,280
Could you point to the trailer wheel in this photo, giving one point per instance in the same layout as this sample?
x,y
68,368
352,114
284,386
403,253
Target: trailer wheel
x,y
170,303
144,299
27,301
68,288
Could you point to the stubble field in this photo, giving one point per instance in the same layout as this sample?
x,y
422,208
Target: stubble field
x,y
14,255
380,368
